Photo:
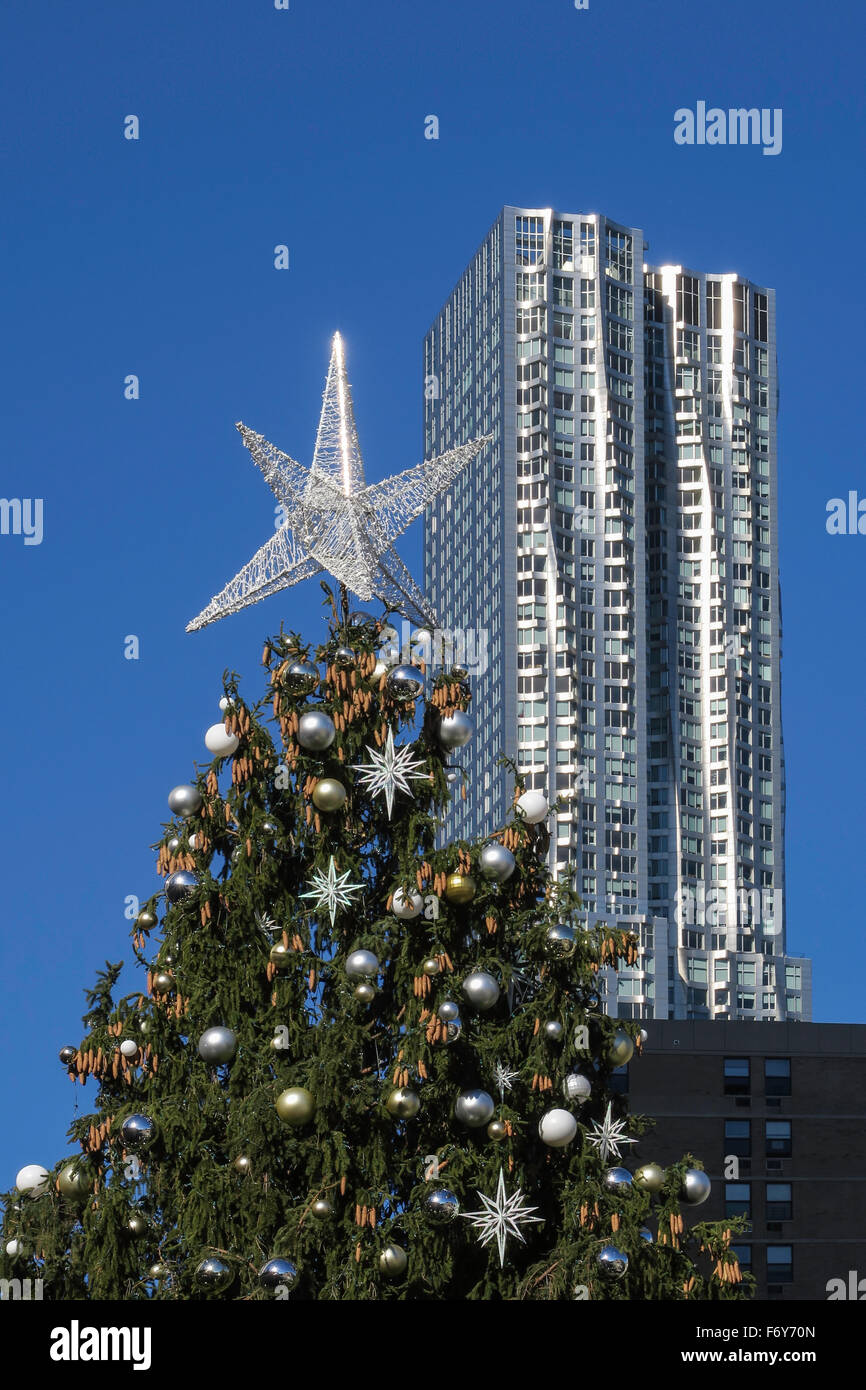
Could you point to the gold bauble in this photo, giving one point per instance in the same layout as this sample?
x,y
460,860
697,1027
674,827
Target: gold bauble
x,y
329,794
460,888
296,1106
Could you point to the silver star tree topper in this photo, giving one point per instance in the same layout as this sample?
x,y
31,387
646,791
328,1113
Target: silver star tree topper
x,y
335,521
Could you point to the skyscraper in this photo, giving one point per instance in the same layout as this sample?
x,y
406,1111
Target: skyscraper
x,y
617,545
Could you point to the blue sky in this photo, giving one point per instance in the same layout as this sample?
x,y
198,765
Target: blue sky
x,y
155,257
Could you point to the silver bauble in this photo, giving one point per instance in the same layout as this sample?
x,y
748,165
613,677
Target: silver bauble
x,y
162,983
344,657
553,1030
129,1049
316,730
481,989
361,965
267,827
455,730
452,776
301,678
217,1045
453,1029
243,1164
649,1177
365,993
67,1055
561,941
184,800
214,1274
329,794
577,1087
696,1186
557,1128
406,907
404,683
617,1180
431,966
474,1108
393,1261
278,1274
646,1234
644,1037
496,862
621,1049
441,1206
137,1132
137,1225
612,1262
322,1209
173,845
591,1000
358,620
180,885
403,1103
448,1010
157,1270
296,1105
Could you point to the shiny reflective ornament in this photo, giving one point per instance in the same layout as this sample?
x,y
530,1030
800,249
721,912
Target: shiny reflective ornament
x,y
146,920
557,1128
214,1274
644,1037
649,1178
577,1087
280,955
242,1163
459,672
612,1263
406,907
404,683
441,1206
496,862
278,1274
621,1049
497,1130
217,1045
74,1182
301,678
137,1132
162,983
359,620
532,806
553,1030
316,730
561,941
184,800
646,1234
379,670
267,827
453,1029
158,1270
322,1209
329,794
173,845
137,1226
481,989
361,965
129,1049
617,1180
296,1106
403,1103
455,730
393,1261
180,885
220,742
431,966
474,1108
166,960
448,1010
452,776
67,1055
696,1186
344,657
460,888
365,993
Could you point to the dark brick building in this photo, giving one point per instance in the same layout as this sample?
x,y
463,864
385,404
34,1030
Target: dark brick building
x,y
777,1114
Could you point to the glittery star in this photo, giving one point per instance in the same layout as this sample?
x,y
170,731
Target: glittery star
x,y
391,772
608,1136
332,890
501,1217
503,1078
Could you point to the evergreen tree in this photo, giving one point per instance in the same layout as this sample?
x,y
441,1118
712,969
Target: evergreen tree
x,y
407,1095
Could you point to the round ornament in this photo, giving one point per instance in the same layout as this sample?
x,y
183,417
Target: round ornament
x,y
301,678
481,989
612,1262
404,683
217,1045
406,907
137,1225
322,1209
393,1261
380,669
621,1049
344,657
644,1037
137,1132
158,1270
74,1182
448,1011
496,1130
696,1186
316,730
226,703
214,1274
577,1087
162,983
474,1108
32,1179
15,1249
557,1128
220,742
129,1049
441,1206
649,1177
180,885
431,966
146,920
532,806
359,620
278,1274
592,1000
496,862
453,1029
243,1164
329,794
561,941
403,1103
173,845
184,800
365,993
460,888
280,955
646,1234
361,965
67,1055
296,1105
455,730
618,1180
553,1030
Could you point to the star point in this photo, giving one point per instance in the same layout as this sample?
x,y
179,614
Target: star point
x,y
608,1136
391,771
502,1217
332,890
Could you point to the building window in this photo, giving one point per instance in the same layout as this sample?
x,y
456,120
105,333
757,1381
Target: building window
x,y
738,1199
744,1256
529,240
738,1138
777,1076
779,1201
563,246
688,300
760,317
737,1076
780,1264
714,304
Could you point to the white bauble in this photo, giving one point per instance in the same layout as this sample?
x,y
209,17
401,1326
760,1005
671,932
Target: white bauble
x,y
404,907
533,807
129,1048
227,703
14,1248
557,1128
32,1179
219,741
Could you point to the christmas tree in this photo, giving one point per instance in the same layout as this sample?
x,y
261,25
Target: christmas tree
x,y
363,1063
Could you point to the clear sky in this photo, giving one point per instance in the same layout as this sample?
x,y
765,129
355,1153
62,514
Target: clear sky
x,y
305,127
